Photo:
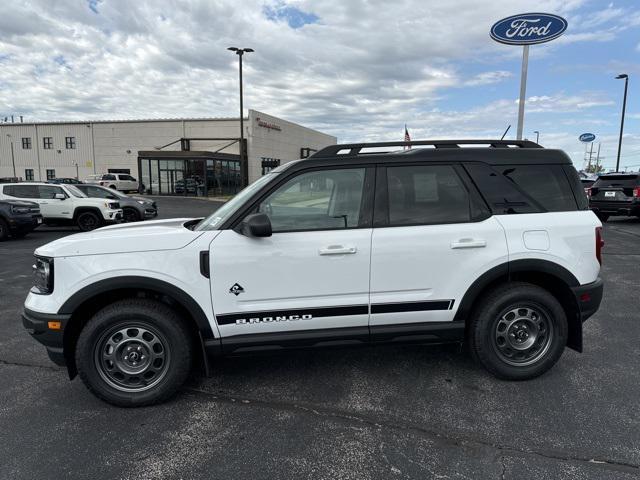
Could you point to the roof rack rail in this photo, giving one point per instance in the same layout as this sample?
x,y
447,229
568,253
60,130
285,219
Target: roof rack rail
x,y
355,148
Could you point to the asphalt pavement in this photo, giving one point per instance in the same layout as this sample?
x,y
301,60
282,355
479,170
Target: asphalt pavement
x,y
379,412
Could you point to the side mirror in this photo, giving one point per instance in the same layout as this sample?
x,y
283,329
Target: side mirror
x,y
59,196
255,225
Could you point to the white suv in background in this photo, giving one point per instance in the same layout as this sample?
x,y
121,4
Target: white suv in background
x,y
117,181
65,204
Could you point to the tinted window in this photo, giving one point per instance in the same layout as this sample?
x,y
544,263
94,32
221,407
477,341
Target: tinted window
x,y
127,177
578,187
546,184
49,191
95,192
108,177
21,191
322,200
624,181
426,195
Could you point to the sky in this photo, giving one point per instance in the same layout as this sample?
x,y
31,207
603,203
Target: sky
x,y
356,69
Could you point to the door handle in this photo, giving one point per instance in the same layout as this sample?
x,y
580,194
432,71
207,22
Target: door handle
x,y
469,243
337,250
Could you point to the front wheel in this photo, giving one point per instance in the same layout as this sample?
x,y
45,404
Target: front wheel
x,y
130,215
518,331
134,352
88,221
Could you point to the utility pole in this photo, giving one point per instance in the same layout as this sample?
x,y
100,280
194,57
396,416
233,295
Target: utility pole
x,y
13,159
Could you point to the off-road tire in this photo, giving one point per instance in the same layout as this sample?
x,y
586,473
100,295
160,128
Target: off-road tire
x,y
489,345
131,314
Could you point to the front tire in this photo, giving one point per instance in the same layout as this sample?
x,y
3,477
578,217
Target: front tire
x,y
130,214
134,352
88,221
518,331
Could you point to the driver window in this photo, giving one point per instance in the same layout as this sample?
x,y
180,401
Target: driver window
x,y
320,200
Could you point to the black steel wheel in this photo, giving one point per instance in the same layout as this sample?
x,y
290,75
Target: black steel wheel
x,y
88,221
134,352
517,331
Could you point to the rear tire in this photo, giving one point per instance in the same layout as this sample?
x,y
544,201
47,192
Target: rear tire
x,y
134,352
88,221
4,230
518,331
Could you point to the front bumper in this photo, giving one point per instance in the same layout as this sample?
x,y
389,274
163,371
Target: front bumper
x,y
38,326
150,212
588,298
113,216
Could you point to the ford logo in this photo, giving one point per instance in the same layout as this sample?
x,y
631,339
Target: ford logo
x,y
528,28
587,137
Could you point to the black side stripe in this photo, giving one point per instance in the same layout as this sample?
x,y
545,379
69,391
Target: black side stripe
x,y
412,306
342,311
230,318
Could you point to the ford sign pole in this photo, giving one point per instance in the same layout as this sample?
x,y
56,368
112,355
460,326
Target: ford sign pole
x,y
527,29
523,90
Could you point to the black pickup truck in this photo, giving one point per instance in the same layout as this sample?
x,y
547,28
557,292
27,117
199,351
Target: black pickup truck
x,y
17,218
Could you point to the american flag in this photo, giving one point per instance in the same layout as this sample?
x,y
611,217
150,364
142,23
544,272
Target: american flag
x,y
407,138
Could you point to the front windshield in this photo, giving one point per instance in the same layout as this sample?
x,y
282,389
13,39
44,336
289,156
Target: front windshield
x,y
218,217
115,192
75,191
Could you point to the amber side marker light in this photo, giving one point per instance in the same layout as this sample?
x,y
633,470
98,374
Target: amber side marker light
x,y
54,325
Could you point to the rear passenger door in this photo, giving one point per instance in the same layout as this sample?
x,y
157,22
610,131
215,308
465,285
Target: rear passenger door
x,y
433,237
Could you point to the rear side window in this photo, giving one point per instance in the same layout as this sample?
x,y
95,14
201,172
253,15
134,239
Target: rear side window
x,y
426,194
108,177
49,191
21,191
524,188
547,184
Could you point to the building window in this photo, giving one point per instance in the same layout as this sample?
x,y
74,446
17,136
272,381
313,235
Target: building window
x,y
26,143
47,143
70,142
269,164
51,174
28,173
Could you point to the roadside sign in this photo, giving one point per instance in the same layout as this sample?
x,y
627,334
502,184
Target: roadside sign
x,y
587,137
528,28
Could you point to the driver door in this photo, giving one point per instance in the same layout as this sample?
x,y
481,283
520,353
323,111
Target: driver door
x,y
309,282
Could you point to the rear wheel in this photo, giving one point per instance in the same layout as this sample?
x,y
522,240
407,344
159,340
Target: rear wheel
x,y
130,215
4,230
88,221
134,352
518,331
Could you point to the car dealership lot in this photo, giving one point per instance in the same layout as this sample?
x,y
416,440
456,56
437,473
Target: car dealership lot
x,y
387,412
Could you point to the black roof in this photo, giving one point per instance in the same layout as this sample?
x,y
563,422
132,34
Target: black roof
x,y
493,152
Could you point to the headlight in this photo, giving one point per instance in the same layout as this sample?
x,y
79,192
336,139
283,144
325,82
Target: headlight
x,y
43,276
112,205
141,202
19,210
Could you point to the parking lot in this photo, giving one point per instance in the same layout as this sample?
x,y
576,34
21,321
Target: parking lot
x,y
383,412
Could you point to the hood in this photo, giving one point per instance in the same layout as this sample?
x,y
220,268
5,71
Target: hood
x,y
129,237
98,202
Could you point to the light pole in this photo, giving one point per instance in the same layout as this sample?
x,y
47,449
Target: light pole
x,y
13,159
624,107
77,174
243,156
537,136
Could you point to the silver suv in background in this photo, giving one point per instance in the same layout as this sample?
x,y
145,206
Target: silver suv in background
x,y
133,208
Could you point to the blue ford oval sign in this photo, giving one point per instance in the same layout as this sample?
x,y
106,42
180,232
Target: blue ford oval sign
x,y
528,28
587,137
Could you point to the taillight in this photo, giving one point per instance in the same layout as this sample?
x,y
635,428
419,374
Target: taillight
x,y
636,192
599,244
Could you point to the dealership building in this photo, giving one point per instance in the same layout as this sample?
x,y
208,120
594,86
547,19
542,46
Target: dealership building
x,y
191,156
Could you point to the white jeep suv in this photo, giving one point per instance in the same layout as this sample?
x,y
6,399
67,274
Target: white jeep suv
x,y
492,244
65,204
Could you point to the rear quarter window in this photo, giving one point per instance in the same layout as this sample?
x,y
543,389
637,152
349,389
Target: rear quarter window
x,y
21,191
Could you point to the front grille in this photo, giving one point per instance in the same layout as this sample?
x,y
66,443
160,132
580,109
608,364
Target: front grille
x,y
115,205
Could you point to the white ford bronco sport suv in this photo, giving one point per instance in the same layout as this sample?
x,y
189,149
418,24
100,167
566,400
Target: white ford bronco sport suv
x,y
492,244
65,204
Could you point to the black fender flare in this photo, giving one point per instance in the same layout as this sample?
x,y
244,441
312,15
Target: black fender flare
x,y
145,283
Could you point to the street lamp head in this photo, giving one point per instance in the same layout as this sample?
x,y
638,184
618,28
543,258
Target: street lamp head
x,y
248,50
233,49
622,75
